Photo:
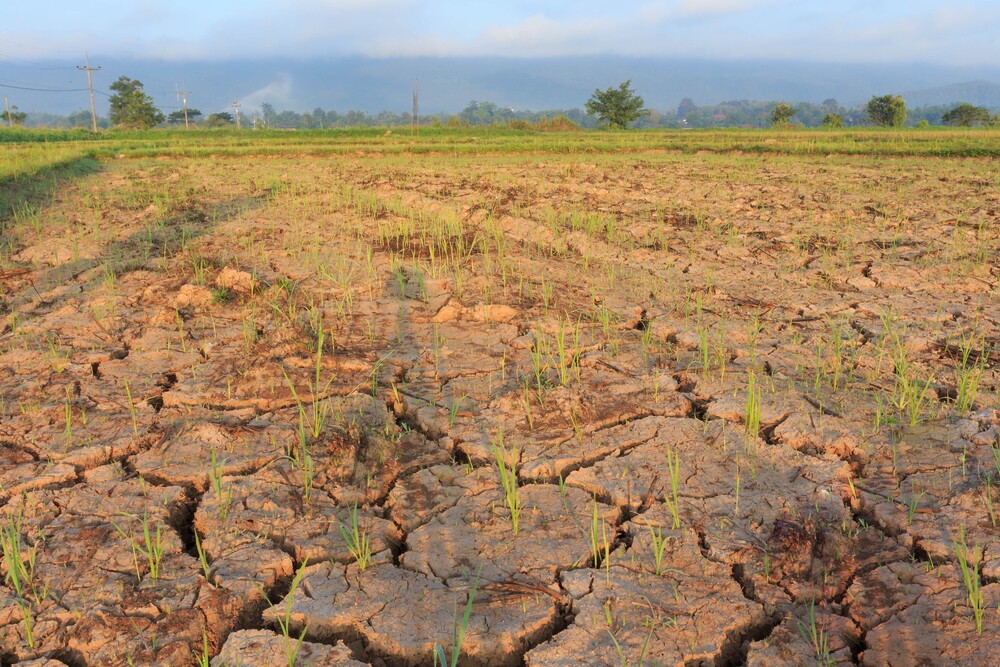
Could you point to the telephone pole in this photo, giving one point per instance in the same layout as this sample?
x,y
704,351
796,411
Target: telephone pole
x,y
236,105
415,114
10,121
90,84
183,95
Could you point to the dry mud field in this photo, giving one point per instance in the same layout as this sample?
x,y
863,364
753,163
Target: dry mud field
x,y
542,410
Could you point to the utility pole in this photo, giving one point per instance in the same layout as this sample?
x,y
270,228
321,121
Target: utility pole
x,y
184,96
236,105
415,114
10,121
90,84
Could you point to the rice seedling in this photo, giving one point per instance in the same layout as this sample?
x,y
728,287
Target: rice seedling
x,y
312,420
202,556
251,334
704,350
969,565
967,376
568,356
204,659
215,474
671,498
459,628
751,409
27,621
600,546
659,548
150,549
604,316
358,541
508,480
308,473
19,563
68,417
910,397
131,409
538,354
292,644
454,408
817,638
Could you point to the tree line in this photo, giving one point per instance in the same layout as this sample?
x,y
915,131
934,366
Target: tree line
x,y
131,107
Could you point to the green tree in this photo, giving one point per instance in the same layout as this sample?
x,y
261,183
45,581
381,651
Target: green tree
x,y
966,115
781,114
834,120
175,117
616,106
887,110
131,108
18,117
269,114
221,119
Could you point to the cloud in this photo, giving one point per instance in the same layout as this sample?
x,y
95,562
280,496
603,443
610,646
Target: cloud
x,y
346,5
147,12
539,35
886,31
700,8
278,93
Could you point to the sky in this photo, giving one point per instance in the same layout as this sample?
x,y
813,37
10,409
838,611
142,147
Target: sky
x,y
963,32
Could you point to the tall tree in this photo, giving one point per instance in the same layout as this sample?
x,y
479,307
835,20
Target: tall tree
x,y
269,114
887,110
781,114
131,108
616,106
966,115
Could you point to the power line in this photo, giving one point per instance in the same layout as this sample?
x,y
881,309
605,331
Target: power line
x,y
21,62
44,90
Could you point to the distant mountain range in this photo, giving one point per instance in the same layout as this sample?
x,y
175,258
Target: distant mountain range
x,y
449,84
980,93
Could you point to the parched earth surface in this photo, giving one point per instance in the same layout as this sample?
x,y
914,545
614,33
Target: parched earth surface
x,y
545,410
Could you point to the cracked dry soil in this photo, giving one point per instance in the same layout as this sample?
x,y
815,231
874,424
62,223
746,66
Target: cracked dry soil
x,y
720,395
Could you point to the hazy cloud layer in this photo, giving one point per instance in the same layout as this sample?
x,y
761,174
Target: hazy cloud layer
x,y
963,32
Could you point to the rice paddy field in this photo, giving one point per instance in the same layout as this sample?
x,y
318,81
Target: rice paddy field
x,y
498,397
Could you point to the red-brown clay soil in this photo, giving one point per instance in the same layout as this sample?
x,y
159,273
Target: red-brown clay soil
x,y
743,410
